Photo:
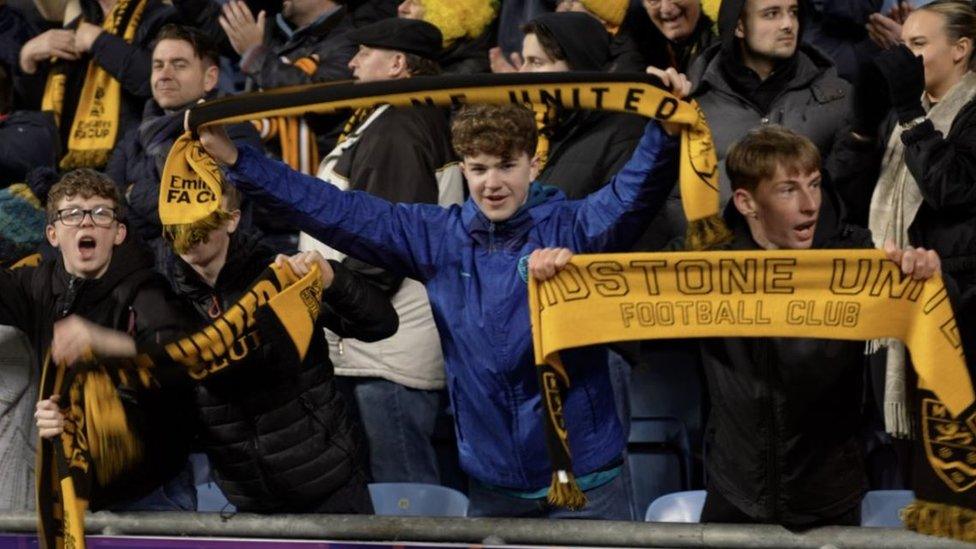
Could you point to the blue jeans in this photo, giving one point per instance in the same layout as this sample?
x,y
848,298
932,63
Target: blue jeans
x,y
620,381
606,502
176,494
399,424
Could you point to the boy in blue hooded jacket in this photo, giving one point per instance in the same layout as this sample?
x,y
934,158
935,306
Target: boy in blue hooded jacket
x,y
472,260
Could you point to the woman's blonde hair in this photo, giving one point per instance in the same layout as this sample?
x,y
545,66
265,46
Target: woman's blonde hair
x,y
960,20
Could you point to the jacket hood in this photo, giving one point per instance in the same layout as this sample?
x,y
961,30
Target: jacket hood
x,y
582,38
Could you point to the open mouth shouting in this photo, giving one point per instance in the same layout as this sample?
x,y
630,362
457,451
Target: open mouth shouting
x,y
804,231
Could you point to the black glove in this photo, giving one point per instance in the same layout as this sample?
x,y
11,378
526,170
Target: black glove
x,y
905,75
871,101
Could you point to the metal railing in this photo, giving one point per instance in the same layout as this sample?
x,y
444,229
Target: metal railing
x,y
494,531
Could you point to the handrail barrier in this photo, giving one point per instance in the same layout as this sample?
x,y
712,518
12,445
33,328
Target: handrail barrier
x,y
487,531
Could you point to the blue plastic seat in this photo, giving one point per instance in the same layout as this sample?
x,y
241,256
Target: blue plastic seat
x,y
676,507
880,508
417,500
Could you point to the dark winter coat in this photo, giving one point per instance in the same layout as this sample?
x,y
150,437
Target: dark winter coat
x,y
945,169
587,148
28,139
273,65
129,297
782,435
279,437
130,64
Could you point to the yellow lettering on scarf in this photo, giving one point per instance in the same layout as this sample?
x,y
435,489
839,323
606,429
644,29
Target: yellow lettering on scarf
x,y
826,294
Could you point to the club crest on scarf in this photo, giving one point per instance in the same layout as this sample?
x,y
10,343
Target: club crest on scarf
x,y
950,444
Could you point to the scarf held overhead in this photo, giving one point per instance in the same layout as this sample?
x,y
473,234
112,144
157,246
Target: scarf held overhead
x,y
95,126
835,294
637,94
98,444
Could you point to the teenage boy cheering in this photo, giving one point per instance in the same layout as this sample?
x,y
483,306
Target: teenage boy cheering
x,y
101,296
470,258
783,433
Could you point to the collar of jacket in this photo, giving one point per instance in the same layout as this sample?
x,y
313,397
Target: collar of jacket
x,y
508,234
706,72
128,258
320,27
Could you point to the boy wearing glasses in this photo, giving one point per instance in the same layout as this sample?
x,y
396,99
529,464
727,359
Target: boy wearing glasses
x,y
101,296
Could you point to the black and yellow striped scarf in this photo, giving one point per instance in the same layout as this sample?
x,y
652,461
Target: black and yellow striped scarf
x,y
97,445
629,93
95,126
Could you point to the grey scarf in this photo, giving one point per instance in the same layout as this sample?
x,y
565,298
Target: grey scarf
x,y
894,205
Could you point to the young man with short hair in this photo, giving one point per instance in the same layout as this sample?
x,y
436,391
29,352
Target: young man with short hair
x,y
784,429
101,296
470,258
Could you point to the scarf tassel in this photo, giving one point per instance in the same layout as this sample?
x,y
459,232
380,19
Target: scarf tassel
x,y
707,233
939,519
565,492
97,158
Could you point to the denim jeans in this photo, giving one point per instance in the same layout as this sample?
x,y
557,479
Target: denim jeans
x,y
176,494
620,381
399,424
606,502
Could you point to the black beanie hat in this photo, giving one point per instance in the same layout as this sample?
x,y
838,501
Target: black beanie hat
x,y
583,39
406,35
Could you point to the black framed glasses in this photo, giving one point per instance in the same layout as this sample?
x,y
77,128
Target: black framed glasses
x,y
101,216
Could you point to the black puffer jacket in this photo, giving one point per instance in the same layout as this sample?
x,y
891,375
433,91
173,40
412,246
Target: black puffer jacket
x,y
129,297
280,438
782,435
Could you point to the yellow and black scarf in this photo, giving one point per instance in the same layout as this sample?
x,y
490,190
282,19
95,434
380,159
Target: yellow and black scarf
x,y
631,93
827,294
96,122
97,445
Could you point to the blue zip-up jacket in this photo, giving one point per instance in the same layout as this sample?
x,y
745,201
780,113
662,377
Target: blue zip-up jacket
x,y
470,267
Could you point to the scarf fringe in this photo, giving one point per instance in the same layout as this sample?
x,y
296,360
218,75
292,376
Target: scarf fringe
x,y
898,421
112,445
565,492
939,519
97,158
707,233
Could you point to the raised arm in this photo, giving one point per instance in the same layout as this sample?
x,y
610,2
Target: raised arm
x,y
404,238
614,217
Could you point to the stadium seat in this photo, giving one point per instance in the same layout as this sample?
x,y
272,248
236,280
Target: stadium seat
x,y
659,458
676,507
880,508
417,500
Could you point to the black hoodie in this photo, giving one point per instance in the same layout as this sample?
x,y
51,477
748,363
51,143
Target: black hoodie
x,y
129,297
